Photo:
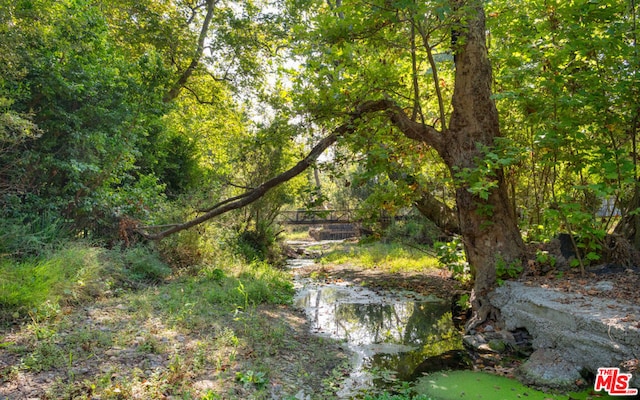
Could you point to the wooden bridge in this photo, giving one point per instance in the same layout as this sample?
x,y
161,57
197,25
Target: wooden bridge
x,y
316,217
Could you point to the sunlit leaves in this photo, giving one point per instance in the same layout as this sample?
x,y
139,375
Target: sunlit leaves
x,y
564,89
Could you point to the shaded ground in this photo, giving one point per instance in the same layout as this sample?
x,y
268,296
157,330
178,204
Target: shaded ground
x,y
434,282
120,348
605,281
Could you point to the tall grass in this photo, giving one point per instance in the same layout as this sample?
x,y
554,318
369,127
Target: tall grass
x,y
68,275
75,273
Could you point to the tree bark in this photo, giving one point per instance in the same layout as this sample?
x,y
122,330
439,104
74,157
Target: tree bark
x,y
175,89
437,212
488,226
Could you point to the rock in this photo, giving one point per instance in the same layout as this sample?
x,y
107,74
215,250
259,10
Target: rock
x,y
583,332
602,286
548,368
473,341
497,345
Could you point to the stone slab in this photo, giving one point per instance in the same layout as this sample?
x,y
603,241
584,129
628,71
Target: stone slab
x,y
583,332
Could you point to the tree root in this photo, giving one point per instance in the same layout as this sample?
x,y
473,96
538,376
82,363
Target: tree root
x,y
483,312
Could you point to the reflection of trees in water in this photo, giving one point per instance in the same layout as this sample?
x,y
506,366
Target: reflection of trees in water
x,y
422,322
407,323
373,323
441,338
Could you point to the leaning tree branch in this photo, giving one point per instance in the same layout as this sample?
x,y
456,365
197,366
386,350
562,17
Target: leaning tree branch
x,y
255,194
410,129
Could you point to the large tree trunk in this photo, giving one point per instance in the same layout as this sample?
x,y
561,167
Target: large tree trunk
x,y
489,229
487,222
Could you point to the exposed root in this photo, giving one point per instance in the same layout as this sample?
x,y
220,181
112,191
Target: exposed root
x,y
483,312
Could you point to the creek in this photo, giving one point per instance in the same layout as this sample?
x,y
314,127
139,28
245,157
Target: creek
x,y
393,335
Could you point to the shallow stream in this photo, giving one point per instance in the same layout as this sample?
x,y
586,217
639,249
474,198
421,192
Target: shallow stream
x,y
389,333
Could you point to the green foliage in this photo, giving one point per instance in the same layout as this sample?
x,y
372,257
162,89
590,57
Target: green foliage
x,y
544,258
31,236
565,92
251,377
47,355
73,274
256,245
451,254
506,271
413,229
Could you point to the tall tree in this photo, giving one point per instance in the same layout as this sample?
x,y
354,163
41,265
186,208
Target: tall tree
x,y
486,216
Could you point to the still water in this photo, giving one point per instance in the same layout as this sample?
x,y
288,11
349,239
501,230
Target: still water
x,y
389,333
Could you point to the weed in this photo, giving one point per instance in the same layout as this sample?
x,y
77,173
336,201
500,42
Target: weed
x,y
151,345
41,286
88,339
250,377
451,255
210,395
227,338
143,264
177,370
45,356
544,258
214,274
506,271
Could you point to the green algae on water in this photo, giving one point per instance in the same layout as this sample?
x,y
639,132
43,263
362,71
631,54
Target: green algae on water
x,y
471,385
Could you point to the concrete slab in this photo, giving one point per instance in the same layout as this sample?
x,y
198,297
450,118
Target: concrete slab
x,y
584,332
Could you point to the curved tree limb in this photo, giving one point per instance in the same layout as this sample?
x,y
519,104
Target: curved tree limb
x,y
412,129
252,195
255,194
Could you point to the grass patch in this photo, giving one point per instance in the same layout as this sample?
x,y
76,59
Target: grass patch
x,y
479,385
71,275
297,233
393,257
112,324
193,302
41,285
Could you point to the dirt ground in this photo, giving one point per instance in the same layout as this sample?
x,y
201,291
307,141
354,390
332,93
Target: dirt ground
x,y
104,350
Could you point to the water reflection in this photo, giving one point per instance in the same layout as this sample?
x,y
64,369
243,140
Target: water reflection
x,y
389,330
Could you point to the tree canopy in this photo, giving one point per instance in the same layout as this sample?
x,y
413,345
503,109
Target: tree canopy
x,y
497,121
